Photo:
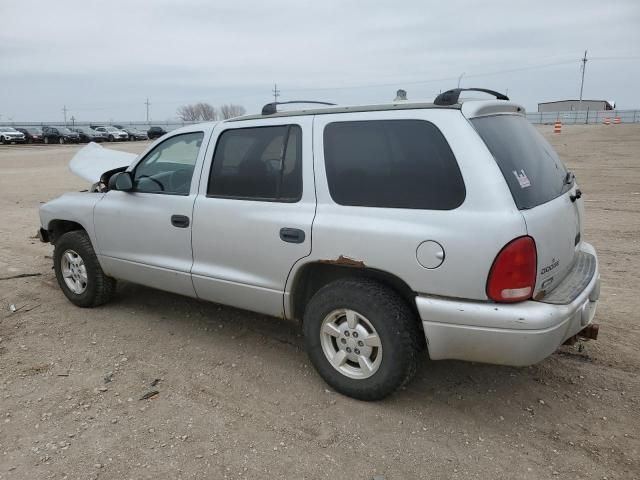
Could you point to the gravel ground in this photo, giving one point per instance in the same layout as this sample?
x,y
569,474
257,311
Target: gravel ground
x,y
237,397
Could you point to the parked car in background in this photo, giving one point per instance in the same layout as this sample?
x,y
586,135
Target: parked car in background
x,y
31,134
113,134
474,249
59,135
11,135
135,134
155,132
88,134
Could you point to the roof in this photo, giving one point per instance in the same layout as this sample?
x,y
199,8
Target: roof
x,y
347,109
572,100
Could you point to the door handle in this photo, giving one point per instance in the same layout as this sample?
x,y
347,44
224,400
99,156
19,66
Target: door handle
x,y
292,235
180,221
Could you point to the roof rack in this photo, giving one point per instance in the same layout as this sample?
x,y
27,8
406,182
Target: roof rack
x,y
450,97
270,108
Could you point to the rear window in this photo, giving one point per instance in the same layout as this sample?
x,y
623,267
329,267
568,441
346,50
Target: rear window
x,y
391,164
534,172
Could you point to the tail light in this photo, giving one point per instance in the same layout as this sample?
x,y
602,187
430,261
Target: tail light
x,y
512,277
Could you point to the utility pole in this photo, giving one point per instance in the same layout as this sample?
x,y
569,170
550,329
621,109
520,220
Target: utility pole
x,y
583,68
276,92
64,111
460,78
147,104
73,120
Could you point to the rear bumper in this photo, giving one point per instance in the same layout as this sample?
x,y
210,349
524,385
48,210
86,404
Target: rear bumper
x,y
506,334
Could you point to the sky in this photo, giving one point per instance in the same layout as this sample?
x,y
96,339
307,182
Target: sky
x,y
102,60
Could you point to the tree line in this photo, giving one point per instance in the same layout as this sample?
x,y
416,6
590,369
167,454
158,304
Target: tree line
x,y
199,112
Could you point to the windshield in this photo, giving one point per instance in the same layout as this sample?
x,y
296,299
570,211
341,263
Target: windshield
x,y
33,130
8,129
534,172
64,130
111,129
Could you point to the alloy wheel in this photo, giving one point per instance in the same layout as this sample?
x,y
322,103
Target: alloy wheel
x,y
351,344
74,272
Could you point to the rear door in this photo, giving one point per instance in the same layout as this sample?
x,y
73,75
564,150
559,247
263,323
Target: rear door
x,y
252,219
542,189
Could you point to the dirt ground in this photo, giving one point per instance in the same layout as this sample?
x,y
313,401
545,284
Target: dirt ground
x,y
239,399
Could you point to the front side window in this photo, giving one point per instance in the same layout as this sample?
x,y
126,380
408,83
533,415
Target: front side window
x,y
261,163
391,164
168,168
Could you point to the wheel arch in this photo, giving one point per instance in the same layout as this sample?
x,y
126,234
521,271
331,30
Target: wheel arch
x,y
58,227
312,276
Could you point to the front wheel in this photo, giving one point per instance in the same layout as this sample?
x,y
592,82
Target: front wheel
x,y
362,338
78,271
111,138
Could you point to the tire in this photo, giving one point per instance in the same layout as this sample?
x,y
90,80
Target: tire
x,y
46,140
4,141
111,138
61,141
378,310
98,287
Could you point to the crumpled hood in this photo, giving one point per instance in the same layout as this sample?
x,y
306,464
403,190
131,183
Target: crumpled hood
x,y
93,160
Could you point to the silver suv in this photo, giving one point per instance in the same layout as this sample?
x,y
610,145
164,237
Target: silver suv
x,y
385,230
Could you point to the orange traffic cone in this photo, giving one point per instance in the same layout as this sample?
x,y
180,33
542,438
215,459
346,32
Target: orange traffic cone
x,y
617,120
606,121
557,127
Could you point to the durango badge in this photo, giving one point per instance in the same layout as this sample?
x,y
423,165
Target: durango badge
x,y
554,263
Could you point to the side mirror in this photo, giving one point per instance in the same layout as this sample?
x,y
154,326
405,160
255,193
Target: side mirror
x,y
121,181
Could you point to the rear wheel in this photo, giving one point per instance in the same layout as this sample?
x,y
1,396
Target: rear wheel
x,y
362,338
78,271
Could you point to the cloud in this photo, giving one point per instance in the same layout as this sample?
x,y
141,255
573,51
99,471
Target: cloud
x,y
103,59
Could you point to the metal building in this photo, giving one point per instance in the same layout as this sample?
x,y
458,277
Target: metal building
x,y
574,105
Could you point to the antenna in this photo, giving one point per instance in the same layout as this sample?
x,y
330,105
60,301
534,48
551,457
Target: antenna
x,y
276,93
147,104
583,67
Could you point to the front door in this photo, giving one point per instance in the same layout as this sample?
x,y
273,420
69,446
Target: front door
x,y
144,236
252,219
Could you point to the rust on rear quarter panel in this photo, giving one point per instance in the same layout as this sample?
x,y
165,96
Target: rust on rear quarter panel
x,y
345,261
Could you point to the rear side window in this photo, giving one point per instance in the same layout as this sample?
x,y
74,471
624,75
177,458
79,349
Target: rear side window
x,y
261,163
534,172
391,164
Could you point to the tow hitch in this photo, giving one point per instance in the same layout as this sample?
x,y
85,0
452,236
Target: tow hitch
x,y
590,332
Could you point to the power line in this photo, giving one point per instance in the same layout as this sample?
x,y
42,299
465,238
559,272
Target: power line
x,y
433,80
